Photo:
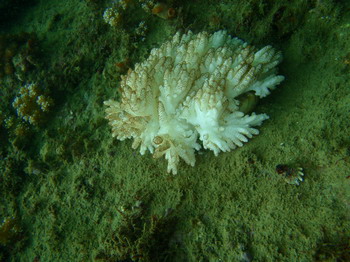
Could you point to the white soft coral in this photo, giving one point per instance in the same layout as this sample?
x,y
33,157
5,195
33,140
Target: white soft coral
x,y
189,90
175,139
220,129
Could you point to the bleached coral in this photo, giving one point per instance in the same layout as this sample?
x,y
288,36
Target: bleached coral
x,y
186,92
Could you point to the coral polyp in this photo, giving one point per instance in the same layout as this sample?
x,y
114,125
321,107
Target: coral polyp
x,y
31,104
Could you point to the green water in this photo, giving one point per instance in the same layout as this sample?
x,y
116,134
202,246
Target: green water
x,y
77,194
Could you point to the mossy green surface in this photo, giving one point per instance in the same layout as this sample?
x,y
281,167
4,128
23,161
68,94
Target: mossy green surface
x,y
76,189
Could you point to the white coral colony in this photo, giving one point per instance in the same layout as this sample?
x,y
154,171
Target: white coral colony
x,y
186,92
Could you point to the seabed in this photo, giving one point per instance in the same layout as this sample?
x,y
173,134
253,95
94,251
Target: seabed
x,y
70,192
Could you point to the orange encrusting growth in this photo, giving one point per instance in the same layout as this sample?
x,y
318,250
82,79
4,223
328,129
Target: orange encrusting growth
x,y
164,11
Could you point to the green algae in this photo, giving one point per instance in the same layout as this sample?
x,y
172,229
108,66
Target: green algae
x,y
71,181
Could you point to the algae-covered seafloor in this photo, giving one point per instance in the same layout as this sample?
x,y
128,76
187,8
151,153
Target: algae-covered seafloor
x,y
70,192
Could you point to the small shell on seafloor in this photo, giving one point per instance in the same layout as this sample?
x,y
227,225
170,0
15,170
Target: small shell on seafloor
x,y
291,175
